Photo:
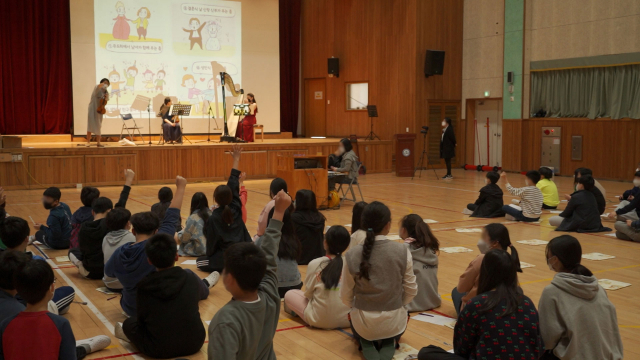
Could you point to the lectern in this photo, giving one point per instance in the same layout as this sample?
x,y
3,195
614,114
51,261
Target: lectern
x,y
404,154
311,178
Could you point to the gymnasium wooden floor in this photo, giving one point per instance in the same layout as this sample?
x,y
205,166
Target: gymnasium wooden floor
x,y
439,200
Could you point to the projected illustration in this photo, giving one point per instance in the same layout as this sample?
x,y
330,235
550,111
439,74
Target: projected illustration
x,y
166,48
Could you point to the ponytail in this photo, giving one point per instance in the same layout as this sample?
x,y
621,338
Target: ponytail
x,y
227,215
499,233
337,239
375,218
223,196
569,252
515,258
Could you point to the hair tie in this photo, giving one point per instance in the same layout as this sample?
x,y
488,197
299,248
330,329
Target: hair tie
x,y
370,229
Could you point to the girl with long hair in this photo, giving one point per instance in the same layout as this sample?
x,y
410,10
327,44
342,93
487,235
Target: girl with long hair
x,y
320,305
245,129
501,320
377,282
358,234
577,319
192,239
225,226
494,236
423,246
309,225
289,277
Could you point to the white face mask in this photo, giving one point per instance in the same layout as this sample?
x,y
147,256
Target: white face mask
x,y
105,86
526,182
341,149
549,264
483,246
444,123
636,182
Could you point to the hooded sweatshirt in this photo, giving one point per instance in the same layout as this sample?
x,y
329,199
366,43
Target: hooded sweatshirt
x,y
90,239
58,230
577,320
425,268
82,215
111,242
168,318
489,202
129,263
309,227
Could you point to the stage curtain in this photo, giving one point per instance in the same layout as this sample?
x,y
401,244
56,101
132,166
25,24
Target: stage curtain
x,y
588,92
289,64
35,68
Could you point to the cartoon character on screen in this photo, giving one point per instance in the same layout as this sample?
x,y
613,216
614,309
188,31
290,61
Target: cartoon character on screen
x,y
195,32
130,76
194,95
142,22
149,85
114,79
213,27
121,28
160,80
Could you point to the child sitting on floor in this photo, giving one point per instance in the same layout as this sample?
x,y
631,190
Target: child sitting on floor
x,y
119,226
191,240
358,234
245,326
56,234
489,203
423,246
320,305
83,214
548,188
530,201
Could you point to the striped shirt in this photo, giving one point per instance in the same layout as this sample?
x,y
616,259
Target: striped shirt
x,y
530,200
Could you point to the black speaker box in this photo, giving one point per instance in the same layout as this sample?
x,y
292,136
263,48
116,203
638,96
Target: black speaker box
x,y
433,63
333,67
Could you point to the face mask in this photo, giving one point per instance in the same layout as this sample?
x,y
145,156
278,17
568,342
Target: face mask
x,y
105,86
444,123
549,264
526,182
636,182
341,150
483,246
47,205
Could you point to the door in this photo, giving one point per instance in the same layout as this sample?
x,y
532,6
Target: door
x,y
314,107
488,133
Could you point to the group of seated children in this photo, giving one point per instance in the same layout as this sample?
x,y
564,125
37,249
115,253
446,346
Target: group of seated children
x,y
627,213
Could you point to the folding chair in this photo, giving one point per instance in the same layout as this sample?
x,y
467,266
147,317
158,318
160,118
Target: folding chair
x,y
353,181
131,130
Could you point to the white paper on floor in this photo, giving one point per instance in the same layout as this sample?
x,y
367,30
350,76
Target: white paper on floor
x,y
610,234
188,262
468,230
612,284
347,225
556,211
533,242
455,249
62,259
393,237
604,215
434,319
429,221
597,256
524,265
104,290
403,351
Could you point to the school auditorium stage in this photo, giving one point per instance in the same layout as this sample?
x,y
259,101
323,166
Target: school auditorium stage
x,y
56,161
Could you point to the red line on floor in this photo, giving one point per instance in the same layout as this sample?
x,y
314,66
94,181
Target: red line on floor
x,y
117,356
442,314
291,328
138,201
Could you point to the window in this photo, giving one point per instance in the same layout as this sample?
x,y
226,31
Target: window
x,y
357,96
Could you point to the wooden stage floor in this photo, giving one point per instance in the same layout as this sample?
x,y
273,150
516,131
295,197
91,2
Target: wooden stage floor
x,y
432,199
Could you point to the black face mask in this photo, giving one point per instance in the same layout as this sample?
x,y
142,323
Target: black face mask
x,y
47,205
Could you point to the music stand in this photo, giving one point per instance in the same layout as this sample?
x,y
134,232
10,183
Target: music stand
x,y
373,112
241,110
181,110
143,103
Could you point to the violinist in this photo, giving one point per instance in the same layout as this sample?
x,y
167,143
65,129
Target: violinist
x,y
99,98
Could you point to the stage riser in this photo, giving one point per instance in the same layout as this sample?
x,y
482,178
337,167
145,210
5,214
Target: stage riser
x,y
68,167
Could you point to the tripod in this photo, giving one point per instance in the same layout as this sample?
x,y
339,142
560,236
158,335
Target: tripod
x,y
423,156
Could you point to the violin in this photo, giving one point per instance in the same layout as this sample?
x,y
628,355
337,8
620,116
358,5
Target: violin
x,y
102,103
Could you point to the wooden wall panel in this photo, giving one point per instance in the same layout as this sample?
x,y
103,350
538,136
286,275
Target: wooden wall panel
x,y
56,170
610,147
383,43
13,175
107,169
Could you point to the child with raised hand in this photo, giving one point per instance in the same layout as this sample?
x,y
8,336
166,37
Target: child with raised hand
x,y
320,305
489,203
494,236
423,246
577,320
377,282
225,226
289,277
530,201
245,326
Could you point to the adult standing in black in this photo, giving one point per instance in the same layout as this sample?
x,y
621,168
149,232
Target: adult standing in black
x,y
447,145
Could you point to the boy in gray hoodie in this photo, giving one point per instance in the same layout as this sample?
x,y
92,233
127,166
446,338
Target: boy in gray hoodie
x,y
577,320
118,235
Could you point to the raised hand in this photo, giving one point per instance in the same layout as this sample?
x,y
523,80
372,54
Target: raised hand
x,y
283,201
128,176
243,176
181,182
236,152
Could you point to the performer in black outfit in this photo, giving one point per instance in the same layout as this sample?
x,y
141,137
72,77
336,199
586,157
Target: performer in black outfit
x,y
171,130
447,145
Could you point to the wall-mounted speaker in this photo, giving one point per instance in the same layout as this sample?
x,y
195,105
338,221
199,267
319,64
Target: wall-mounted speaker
x,y
510,77
333,67
434,63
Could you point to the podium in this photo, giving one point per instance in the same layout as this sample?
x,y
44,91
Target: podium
x,y
405,154
314,179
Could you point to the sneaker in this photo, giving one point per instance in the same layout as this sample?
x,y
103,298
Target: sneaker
x,y
119,333
212,279
95,343
447,177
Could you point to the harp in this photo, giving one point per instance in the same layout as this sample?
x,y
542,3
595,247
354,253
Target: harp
x,y
225,79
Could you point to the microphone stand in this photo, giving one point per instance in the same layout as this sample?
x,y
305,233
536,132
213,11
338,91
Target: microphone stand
x,y
149,113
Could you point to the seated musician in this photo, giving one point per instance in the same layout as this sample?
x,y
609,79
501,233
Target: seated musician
x,y
171,130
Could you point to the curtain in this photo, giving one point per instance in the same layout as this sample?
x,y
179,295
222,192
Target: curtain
x,y
35,68
590,92
289,64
